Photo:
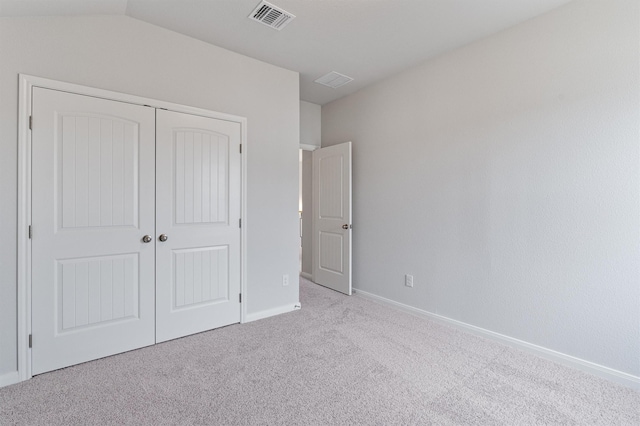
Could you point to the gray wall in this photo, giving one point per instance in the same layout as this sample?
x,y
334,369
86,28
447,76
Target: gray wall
x,y
504,176
310,123
126,55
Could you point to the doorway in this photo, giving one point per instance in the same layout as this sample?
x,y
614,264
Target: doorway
x,y
326,228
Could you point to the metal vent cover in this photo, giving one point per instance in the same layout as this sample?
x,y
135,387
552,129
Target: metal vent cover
x,y
271,16
334,80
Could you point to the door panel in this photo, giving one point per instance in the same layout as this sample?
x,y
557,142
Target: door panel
x,y
332,217
201,179
198,208
97,171
95,290
92,201
201,276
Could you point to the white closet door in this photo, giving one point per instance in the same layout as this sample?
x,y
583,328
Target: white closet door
x,y
92,201
198,210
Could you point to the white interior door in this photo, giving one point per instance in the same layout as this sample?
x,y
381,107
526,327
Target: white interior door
x,y
92,202
332,217
198,210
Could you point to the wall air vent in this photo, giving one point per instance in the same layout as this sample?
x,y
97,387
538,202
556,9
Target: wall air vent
x,y
334,80
271,16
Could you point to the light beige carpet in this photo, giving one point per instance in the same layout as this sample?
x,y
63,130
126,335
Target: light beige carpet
x,y
339,360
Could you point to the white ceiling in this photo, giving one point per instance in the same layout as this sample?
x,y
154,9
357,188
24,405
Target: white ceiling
x,y
364,39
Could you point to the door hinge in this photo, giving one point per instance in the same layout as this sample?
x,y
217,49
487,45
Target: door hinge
x,y
30,232
30,340
31,122
240,297
240,148
240,223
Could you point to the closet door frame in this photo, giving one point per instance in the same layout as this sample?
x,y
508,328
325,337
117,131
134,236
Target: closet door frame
x,y
26,85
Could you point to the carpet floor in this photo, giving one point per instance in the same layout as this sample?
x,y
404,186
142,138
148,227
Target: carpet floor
x,y
339,360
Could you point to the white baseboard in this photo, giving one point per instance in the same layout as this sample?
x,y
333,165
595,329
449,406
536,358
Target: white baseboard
x,y
620,377
307,276
272,312
9,378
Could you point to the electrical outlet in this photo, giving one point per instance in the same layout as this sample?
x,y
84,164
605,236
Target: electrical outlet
x,y
285,280
408,280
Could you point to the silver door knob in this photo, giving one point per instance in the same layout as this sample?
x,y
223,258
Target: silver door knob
x,y
345,226
163,237
146,239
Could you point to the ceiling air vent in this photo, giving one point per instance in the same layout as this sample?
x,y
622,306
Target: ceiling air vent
x,y
271,16
334,80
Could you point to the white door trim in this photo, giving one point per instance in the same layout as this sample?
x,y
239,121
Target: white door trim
x,y
26,84
307,147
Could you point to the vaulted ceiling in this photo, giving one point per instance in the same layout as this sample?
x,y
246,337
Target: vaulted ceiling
x,y
367,40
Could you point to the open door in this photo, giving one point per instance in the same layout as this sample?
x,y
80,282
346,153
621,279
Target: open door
x,y
332,217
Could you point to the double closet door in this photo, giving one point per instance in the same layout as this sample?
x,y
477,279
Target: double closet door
x,y
135,220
